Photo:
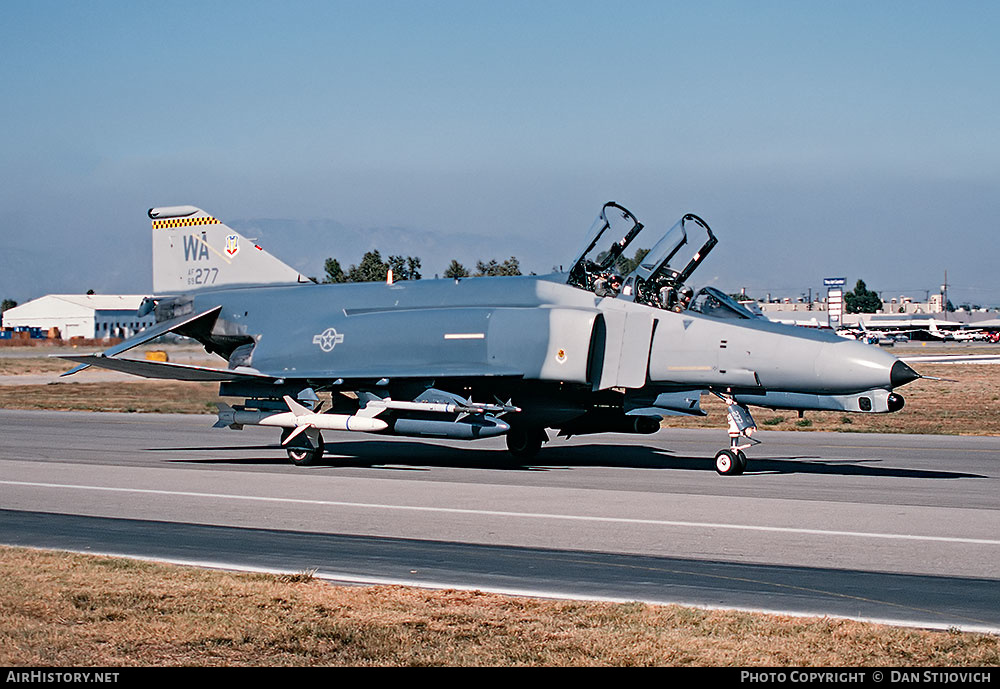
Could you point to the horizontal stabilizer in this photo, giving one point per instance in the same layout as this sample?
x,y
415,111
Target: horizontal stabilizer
x,y
150,333
168,371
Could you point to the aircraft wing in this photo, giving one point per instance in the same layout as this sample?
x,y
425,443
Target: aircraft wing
x,y
374,373
169,371
145,336
163,370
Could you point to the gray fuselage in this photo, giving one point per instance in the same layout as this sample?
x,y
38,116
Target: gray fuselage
x,y
532,329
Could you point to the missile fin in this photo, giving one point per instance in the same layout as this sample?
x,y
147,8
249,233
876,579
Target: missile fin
x,y
296,408
298,431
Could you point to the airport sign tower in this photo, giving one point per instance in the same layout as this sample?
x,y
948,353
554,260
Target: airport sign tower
x,y
835,301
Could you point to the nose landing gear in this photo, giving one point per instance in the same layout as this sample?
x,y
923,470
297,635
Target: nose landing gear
x,y
730,462
733,461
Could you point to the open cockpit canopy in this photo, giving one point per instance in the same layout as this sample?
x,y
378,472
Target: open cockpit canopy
x,y
608,237
623,258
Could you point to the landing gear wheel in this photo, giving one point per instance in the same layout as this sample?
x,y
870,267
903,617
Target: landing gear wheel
x,y
302,453
742,458
727,463
525,442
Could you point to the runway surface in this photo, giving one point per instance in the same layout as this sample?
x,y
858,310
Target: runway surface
x,y
895,528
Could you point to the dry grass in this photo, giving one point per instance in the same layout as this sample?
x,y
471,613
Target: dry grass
x,y
163,396
74,610
17,366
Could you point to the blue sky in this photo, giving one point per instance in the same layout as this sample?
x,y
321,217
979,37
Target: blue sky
x,y
818,139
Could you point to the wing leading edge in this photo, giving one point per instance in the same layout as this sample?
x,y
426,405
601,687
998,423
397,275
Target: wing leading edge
x,y
166,370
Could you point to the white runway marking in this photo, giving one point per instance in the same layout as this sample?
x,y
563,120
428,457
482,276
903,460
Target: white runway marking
x,y
516,515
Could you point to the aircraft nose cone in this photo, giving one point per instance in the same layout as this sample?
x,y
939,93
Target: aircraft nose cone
x,y
848,367
901,374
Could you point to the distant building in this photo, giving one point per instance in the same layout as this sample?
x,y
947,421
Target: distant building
x,y
897,312
93,316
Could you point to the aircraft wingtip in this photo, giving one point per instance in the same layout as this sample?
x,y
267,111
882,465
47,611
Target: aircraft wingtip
x,y
75,369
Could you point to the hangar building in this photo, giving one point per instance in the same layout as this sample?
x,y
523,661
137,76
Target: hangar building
x,y
93,316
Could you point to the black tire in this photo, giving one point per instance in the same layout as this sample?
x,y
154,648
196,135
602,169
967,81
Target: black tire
x,y
727,463
742,458
524,442
301,453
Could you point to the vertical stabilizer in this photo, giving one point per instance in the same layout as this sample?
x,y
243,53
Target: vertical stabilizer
x,y
191,250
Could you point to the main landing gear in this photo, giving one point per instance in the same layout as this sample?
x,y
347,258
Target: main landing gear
x,y
733,461
524,442
304,449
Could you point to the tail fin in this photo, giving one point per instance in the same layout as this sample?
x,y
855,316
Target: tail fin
x,y
191,250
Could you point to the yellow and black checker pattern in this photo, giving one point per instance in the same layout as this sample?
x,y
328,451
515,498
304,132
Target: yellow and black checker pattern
x,y
183,222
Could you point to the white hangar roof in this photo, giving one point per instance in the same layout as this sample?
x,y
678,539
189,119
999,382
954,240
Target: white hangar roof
x,y
74,305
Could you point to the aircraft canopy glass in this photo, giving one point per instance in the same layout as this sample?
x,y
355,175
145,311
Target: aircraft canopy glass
x,y
715,303
661,253
663,265
660,278
609,235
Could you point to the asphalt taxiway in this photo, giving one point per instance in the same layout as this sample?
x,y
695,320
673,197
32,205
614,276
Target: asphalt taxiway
x,y
896,528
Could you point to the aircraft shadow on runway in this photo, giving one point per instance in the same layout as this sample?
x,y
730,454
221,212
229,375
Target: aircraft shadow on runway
x,y
415,456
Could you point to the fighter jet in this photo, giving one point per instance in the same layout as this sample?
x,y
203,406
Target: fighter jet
x,y
614,345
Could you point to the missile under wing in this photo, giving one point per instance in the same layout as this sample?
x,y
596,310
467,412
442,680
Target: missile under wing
x,y
614,345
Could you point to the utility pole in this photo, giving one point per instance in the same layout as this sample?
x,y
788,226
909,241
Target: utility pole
x,y
944,295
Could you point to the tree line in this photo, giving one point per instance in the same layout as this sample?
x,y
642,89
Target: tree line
x,y
372,268
862,299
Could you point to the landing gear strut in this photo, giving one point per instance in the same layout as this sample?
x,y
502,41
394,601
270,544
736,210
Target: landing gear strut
x,y
733,462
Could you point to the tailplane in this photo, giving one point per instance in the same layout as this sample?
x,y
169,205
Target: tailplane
x,y
191,250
